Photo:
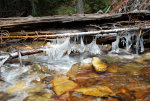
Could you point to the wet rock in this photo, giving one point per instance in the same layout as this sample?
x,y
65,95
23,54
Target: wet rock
x,y
79,68
36,98
19,86
101,91
63,84
99,65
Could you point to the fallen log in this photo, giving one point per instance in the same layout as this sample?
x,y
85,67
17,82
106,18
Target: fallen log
x,y
100,33
4,58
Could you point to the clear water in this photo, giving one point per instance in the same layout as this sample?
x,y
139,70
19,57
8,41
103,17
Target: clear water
x,y
59,56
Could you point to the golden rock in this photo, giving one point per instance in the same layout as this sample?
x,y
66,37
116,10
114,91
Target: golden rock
x,y
79,68
98,65
101,91
63,84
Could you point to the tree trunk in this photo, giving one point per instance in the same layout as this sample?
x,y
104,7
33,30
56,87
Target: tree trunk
x,y
33,7
80,7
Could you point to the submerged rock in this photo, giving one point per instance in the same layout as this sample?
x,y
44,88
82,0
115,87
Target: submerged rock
x,y
63,84
19,86
101,91
79,68
98,65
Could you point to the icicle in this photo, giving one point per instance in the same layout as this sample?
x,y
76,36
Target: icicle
x,y
137,43
93,48
56,51
141,44
20,58
115,45
128,41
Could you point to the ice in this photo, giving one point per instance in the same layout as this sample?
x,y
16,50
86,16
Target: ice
x,y
115,45
56,51
93,48
128,39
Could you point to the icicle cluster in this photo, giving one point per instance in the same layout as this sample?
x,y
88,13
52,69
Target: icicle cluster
x,y
129,40
58,49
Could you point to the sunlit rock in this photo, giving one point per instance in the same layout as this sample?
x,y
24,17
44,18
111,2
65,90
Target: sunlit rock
x,y
63,84
79,68
47,95
36,98
98,65
101,91
19,86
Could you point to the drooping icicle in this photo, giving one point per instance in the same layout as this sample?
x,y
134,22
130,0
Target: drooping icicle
x,y
93,48
115,45
137,43
56,51
141,44
74,47
128,41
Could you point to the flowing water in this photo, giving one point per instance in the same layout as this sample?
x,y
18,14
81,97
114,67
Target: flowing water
x,y
131,71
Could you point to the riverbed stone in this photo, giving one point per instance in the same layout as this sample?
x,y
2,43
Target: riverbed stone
x,y
99,65
100,91
62,85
